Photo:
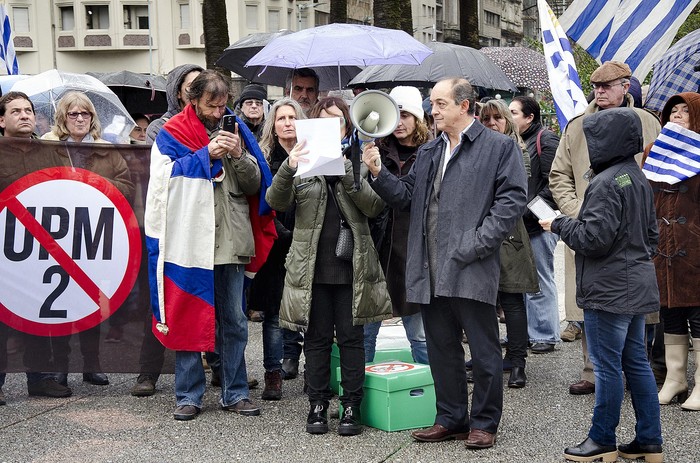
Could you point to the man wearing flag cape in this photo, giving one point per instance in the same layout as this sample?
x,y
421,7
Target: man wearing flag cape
x,y
569,178
205,225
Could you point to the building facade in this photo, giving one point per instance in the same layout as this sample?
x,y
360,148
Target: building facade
x,y
150,36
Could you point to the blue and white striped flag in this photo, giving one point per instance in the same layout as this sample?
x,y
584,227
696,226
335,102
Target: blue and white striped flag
x,y
636,32
7,47
569,99
675,155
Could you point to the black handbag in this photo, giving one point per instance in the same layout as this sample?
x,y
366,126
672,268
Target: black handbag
x,y
344,246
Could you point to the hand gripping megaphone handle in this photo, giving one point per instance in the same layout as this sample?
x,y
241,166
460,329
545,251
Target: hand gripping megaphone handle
x,y
375,114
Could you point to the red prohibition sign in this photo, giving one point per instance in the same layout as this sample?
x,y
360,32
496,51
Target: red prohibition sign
x,y
105,306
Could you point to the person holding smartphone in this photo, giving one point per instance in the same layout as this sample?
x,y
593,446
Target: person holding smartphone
x,y
204,182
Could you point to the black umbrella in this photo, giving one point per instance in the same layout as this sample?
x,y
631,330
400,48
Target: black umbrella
x,y
447,60
237,55
140,93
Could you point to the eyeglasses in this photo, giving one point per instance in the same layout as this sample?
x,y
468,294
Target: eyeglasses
x,y
606,87
83,114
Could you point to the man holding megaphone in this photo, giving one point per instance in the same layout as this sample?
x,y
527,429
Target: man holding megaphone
x,y
452,270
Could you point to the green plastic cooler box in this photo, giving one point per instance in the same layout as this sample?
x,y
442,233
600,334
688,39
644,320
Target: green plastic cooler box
x,y
398,396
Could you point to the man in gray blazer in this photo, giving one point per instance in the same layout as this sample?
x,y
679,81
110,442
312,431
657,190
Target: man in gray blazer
x,y
466,190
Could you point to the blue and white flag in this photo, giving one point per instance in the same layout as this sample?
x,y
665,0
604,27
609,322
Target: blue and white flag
x,y
675,155
636,32
7,47
569,99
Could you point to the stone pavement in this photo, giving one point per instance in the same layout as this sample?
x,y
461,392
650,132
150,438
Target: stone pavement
x,y
106,424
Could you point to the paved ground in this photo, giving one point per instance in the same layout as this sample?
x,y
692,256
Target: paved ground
x,y
106,424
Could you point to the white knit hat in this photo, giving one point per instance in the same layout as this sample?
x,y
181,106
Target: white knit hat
x,y
408,99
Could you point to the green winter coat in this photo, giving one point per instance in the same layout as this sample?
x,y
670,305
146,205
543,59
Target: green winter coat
x,y
518,270
371,300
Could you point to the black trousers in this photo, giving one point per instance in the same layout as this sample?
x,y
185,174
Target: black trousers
x,y
331,309
516,327
444,319
677,319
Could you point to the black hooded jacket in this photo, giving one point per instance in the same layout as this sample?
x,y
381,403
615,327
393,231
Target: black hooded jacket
x,y
615,234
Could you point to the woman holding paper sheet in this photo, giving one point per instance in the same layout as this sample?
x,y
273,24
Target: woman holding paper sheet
x,y
518,271
322,292
678,213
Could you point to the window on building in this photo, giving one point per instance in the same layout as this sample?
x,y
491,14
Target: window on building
x,y
67,18
20,16
135,17
273,20
97,16
492,19
322,18
251,17
290,18
184,15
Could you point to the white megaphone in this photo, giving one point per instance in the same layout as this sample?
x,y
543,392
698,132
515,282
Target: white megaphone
x,y
374,114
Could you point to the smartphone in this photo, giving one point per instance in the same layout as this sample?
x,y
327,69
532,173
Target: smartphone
x,y
228,123
541,209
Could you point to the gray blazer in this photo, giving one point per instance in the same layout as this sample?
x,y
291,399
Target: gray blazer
x,y
483,194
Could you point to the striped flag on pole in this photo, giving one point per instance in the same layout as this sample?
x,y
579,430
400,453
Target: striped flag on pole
x,y
569,99
675,155
7,47
636,32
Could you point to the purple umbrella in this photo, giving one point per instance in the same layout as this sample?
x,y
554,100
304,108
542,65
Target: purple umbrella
x,y
341,45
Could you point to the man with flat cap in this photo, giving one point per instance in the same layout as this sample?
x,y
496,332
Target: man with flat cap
x,y
569,178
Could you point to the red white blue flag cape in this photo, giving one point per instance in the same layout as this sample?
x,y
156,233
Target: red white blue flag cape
x,y
179,225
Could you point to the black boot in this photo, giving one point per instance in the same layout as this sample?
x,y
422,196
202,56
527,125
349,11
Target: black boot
x,y
517,377
588,450
651,453
317,421
350,423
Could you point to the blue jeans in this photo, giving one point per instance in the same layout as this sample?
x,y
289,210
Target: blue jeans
x,y
543,308
413,324
231,339
273,344
292,343
616,344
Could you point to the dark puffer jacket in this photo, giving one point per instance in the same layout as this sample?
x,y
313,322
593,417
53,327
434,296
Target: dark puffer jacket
x,y
615,234
678,212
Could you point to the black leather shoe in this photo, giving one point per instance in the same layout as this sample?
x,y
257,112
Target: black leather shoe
x,y
290,368
317,421
350,422
651,453
98,379
517,378
588,450
542,348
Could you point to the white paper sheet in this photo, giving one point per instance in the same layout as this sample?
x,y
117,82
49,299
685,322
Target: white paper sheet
x,y
323,142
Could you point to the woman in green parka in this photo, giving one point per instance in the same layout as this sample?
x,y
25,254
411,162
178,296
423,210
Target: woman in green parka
x,y
324,294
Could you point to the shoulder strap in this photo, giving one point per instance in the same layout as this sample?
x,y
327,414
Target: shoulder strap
x,y
539,142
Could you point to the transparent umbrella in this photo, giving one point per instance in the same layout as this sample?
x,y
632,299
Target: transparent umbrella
x,y
47,88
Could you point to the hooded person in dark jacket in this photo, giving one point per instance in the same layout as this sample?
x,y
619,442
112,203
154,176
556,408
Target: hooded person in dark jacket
x,y
179,80
615,236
